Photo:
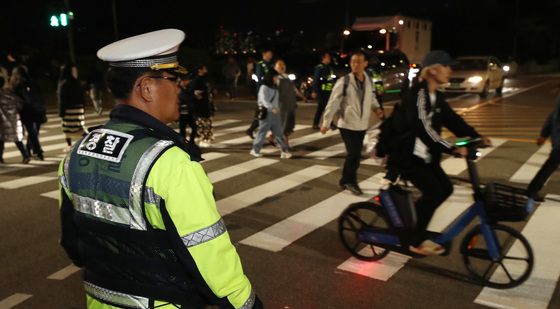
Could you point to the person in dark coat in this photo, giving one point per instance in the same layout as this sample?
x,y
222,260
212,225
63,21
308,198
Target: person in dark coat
x,y
186,112
550,129
71,104
418,145
10,128
200,97
33,112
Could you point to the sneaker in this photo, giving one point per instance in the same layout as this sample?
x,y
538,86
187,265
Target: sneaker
x,y
67,149
255,154
25,160
427,247
250,133
354,188
285,155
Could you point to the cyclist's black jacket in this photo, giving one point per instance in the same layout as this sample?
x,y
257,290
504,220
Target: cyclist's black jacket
x,y
411,120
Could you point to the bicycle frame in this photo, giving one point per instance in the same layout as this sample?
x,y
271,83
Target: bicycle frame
x,y
452,231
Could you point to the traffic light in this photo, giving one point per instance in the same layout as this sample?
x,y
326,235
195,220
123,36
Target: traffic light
x,y
61,20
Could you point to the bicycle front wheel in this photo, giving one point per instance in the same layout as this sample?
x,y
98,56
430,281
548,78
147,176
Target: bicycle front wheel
x,y
357,218
515,262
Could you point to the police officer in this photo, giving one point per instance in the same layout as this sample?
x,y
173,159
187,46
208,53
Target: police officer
x,y
323,82
137,209
374,71
263,67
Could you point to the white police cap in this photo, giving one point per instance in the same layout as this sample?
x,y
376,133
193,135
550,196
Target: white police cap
x,y
155,50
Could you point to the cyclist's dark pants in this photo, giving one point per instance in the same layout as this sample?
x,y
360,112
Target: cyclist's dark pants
x,y
544,173
435,186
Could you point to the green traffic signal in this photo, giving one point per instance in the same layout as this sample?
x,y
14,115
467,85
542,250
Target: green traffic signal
x,y
54,21
61,20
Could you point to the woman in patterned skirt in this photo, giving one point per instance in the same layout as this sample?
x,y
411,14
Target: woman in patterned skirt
x,y
71,104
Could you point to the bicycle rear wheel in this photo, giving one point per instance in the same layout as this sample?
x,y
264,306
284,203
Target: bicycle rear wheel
x,y
357,218
511,269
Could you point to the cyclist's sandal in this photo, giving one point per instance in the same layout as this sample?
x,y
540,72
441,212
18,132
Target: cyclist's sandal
x,y
428,247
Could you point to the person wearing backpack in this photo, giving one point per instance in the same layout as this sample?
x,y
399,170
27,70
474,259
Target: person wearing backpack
x,y
352,100
412,140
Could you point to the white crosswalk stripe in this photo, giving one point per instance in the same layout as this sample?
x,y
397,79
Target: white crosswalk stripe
x,y
285,232
531,166
241,168
27,181
256,194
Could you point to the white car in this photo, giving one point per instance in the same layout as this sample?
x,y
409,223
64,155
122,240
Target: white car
x,y
476,75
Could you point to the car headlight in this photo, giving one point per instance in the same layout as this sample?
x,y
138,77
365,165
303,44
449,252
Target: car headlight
x,y
292,76
475,79
506,68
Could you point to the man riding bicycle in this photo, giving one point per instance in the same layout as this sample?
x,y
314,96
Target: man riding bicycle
x,y
418,145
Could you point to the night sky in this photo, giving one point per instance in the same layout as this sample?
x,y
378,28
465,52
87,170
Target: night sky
x,y
462,27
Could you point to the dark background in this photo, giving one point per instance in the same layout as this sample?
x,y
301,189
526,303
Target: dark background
x,y
525,30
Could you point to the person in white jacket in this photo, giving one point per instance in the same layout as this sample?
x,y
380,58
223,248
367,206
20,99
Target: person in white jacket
x,y
352,100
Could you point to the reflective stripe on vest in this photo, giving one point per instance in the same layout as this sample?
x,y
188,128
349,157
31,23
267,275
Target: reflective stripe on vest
x,y
205,234
327,87
250,301
135,200
116,298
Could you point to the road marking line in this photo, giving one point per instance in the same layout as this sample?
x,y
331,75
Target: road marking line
x,y
52,194
226,131
64,273
224,122
42,140
504,96
282,234
239,169
455,166
302,140
16,153
543,233
327,152
256,194
28,181
530,168
387,267
209,156
247,139
14,300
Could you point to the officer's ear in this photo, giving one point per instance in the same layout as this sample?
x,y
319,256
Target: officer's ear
x,y
145,88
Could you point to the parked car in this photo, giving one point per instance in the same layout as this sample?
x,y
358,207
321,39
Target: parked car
x,y
476,74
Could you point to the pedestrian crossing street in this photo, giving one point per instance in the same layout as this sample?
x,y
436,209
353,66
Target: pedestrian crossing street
x,y
244,184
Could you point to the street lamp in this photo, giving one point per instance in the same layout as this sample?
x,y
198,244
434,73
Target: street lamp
x,y
346,32
387,37
401,22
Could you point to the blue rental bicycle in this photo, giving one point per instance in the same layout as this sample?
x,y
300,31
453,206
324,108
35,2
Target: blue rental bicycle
x,y
494,254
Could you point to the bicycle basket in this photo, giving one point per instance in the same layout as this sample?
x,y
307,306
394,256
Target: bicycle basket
x,y
505,203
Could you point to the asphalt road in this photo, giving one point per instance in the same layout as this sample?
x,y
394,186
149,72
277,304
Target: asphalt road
x,y
285,228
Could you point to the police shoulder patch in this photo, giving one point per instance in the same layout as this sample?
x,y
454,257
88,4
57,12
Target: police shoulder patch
x,y
105,144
